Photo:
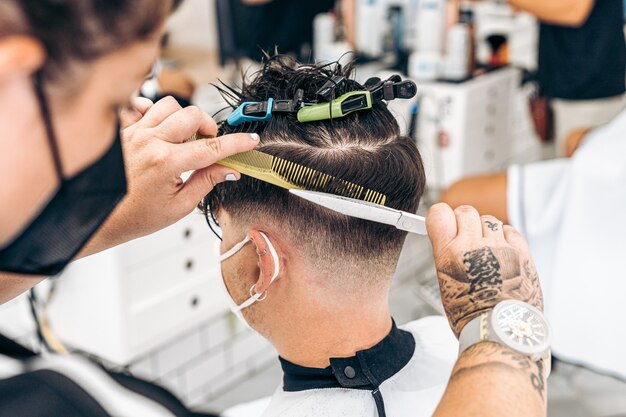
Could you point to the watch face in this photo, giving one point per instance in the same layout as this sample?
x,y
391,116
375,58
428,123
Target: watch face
x,y
522,327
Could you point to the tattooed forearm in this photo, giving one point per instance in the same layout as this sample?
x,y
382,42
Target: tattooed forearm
x,y
490,380
490,356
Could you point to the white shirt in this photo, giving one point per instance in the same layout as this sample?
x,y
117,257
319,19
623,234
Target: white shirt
x,y
415,390
573,213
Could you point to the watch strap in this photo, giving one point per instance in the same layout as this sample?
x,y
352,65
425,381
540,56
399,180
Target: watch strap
x,y
474,332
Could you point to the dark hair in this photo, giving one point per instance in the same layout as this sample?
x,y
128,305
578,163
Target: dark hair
x,y
365,148
82,30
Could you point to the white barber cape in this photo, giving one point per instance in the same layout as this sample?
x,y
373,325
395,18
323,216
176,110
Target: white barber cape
x,y
573,213
404,375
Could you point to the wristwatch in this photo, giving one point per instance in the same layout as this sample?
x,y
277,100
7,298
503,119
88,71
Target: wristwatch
x,y
512,323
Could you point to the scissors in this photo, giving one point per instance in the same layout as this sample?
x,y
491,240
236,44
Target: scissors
x,y
401,220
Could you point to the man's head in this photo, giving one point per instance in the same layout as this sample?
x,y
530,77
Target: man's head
x,y
322,254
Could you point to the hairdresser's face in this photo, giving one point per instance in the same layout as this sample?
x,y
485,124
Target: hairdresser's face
x,y
84,108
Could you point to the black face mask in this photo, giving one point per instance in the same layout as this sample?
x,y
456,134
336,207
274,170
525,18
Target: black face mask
x,y
73,215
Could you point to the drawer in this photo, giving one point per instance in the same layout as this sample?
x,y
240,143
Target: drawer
x,y
167,272
170,315
189,230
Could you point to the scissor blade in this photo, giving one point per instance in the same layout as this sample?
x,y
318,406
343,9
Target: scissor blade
x,y
365,210
351,207
412,223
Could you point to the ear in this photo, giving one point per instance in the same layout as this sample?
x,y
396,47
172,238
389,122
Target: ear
x,y
20,55
266,260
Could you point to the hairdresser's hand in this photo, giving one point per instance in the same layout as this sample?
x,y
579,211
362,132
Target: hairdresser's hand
x,y
479,263
156,156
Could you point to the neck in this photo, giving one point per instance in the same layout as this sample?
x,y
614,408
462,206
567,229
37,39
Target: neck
x,y
334,330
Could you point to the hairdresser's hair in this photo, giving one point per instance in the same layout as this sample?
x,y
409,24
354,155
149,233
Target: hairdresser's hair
x,y
365,148
82,30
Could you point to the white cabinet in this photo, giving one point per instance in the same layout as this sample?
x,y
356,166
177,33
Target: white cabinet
x,y
466,128
129,300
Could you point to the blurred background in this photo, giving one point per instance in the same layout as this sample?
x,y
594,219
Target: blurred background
x,y
493,90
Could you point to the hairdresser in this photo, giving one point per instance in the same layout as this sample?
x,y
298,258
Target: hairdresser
x,y
582,61
83,169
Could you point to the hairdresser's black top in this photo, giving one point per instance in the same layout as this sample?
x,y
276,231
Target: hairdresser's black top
x,y
588,62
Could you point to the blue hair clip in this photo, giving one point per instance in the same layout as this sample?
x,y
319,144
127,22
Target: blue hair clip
x,y
251,112
262,111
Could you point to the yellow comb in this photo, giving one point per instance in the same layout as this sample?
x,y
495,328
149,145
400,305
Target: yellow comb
x,y
289,175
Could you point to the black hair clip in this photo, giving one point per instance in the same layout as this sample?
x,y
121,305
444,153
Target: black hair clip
x,y
261,111
371,82
391,89
327,90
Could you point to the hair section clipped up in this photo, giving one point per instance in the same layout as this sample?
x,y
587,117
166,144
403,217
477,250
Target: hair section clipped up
x,y
363,148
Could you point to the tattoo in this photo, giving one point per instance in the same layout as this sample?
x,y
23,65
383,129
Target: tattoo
x,y
531,285
483,272
477,281
492,226
487,356
521,360
538,380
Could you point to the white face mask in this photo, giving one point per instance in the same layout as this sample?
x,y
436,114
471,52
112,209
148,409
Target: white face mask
x,y
254,296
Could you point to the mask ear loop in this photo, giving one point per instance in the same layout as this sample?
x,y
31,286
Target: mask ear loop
x,y
235,249
262,296
258,297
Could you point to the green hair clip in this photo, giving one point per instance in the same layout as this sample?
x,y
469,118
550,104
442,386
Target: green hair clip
x,y
339,107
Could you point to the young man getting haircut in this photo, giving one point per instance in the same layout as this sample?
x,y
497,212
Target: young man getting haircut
x,y
316,283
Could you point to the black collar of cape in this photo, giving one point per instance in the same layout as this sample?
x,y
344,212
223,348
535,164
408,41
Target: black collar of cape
x,y
369,368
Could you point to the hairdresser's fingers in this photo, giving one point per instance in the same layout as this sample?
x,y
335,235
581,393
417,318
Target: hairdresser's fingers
x,y
141,104
529,287
202,181
134,111
159,112
128,117
202,153
515,239
181,125
441,225
492,228
468,222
